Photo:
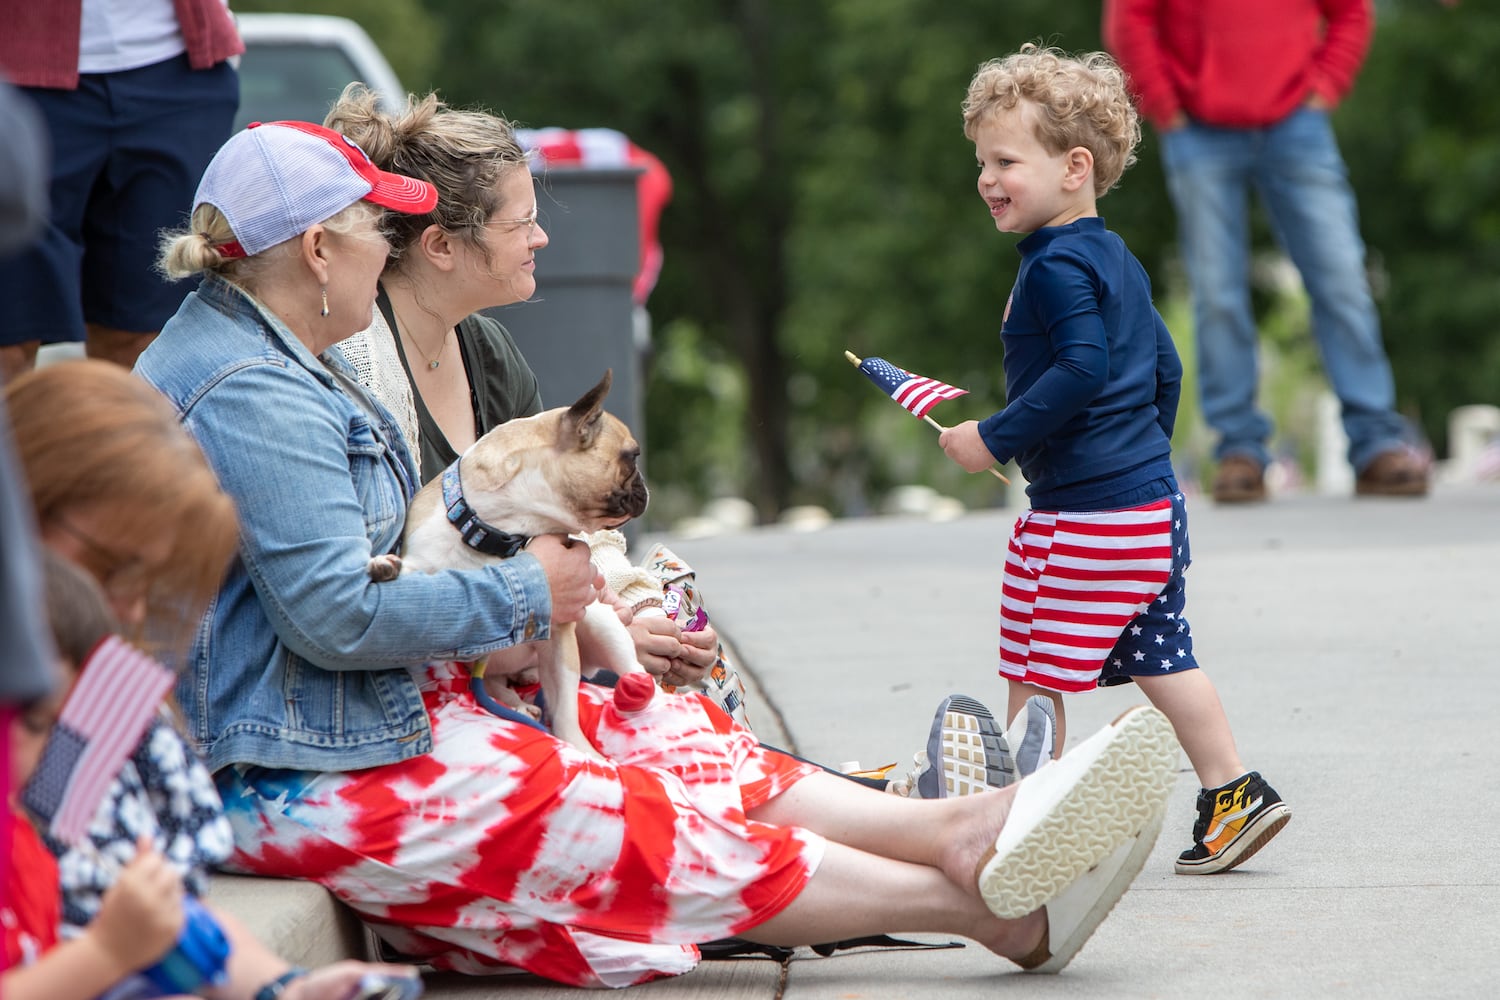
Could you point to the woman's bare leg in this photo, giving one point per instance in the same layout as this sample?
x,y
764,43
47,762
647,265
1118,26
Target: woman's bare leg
x,y
854,894
914,865
950,835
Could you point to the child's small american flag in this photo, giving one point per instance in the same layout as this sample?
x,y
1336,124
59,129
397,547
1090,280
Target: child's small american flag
x,y
914,392
118,692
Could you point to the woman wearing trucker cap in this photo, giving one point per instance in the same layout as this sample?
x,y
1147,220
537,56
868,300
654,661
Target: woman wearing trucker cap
x,y
349,751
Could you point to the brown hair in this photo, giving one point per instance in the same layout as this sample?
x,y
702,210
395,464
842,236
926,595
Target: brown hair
x,y
76,609
1080,101
462,153
89,433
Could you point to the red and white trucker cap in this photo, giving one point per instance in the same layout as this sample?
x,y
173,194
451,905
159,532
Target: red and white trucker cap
x,y
274,180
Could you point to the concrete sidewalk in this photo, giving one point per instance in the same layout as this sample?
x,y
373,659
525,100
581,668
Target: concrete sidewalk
x,y
1354,646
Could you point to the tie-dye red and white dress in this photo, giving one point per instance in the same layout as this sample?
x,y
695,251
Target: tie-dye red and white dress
x,y
505,847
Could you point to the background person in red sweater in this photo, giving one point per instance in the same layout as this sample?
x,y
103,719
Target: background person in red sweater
x,y
1240,94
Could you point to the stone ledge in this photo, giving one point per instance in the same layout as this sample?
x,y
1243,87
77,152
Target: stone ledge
x,y
300,921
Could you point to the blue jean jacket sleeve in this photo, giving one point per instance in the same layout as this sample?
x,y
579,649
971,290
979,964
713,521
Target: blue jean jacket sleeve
x,y
318,494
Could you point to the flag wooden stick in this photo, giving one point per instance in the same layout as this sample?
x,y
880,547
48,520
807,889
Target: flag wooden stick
x,y
856,361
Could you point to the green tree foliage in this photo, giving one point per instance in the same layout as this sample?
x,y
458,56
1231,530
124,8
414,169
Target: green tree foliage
x,y
824,200
1422,137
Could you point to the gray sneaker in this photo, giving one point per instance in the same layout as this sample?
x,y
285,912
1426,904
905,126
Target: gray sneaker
x,y
966,752
1031,734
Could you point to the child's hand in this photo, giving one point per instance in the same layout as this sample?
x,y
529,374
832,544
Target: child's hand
x,y
700,651
343,980
962,443
658,642
141,915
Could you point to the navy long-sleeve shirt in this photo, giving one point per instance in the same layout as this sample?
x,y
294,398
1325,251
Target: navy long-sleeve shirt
x,y
1092,377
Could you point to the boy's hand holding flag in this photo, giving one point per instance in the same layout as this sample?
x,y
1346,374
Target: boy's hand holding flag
x,y
915,393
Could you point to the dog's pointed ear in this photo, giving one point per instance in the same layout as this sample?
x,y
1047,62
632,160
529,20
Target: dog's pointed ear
x,y
580,425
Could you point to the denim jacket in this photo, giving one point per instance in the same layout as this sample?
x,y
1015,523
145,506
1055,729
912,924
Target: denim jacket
x,y
301,661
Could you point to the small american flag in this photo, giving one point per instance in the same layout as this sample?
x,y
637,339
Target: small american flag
x,y
914,392
118,692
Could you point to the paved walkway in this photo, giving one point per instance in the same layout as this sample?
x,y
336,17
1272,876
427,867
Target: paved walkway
x,y
1354,644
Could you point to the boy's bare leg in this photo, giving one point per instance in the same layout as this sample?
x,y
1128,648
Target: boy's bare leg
x,y
1016,702
1191,703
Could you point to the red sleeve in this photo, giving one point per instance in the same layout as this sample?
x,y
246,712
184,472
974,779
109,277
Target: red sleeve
x,y
32,909
1350,23
1131,33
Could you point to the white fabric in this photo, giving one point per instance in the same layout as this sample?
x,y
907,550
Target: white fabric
x,y
127,34
372,354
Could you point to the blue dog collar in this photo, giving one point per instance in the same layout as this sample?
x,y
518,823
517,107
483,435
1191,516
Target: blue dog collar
x,y
476,534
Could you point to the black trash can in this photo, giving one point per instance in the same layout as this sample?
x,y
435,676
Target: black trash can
x,y
582,319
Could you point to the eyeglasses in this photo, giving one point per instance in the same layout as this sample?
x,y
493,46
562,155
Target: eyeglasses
x,y
529,222
121,576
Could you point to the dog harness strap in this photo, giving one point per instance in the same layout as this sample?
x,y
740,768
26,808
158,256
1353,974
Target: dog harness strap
x,y
476,534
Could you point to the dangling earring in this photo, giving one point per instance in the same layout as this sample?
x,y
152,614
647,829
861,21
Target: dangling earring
x,y
325,301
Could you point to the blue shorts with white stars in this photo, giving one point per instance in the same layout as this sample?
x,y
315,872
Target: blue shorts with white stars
x,y
1158,640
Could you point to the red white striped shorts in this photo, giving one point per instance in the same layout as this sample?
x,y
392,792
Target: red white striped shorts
x,y
1081,584
505,847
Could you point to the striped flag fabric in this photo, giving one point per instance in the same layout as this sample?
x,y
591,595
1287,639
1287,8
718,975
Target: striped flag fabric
x,y
914,392
118,692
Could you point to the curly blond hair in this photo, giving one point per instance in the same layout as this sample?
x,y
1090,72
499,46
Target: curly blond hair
x,y
1080,100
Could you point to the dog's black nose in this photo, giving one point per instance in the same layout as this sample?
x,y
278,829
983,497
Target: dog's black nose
x,y
630,500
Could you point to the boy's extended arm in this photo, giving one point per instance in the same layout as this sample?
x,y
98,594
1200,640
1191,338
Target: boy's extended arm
x,y
1168,378
1064,293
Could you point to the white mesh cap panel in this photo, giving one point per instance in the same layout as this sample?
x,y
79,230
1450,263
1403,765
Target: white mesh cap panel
x,y
272,183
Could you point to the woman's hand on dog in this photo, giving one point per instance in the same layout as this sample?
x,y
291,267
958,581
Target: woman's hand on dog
x,y
575,582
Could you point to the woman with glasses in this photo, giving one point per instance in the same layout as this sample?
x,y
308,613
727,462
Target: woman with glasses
x,y
463,374
446,372
473,250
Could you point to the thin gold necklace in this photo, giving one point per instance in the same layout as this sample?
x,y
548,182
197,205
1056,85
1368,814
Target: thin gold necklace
x,y
403,329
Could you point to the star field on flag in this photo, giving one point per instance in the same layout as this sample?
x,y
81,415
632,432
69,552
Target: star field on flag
x,y
915,393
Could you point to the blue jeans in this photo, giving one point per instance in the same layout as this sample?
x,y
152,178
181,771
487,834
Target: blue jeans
x,y
1296,168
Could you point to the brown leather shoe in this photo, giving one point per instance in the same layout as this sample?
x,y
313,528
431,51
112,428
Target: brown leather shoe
x,y
1240,479
1400,472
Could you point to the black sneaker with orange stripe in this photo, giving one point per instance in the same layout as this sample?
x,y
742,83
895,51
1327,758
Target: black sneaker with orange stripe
x,y
1234,821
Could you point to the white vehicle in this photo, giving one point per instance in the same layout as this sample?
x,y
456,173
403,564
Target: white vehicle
x,y
295,65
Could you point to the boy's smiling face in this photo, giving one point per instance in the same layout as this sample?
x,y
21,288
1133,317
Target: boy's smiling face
x,y
1026,187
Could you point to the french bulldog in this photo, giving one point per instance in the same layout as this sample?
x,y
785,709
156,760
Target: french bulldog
x,y
569,470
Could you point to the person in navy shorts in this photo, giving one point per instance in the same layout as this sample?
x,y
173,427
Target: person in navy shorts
x,y
136,102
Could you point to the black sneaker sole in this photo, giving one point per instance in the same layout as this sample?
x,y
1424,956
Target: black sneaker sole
x,y
1256,834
